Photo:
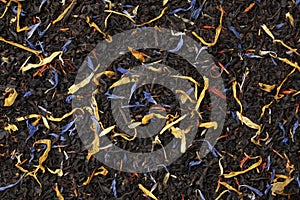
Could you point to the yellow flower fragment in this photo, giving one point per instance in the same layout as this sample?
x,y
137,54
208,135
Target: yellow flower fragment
x,y
165,2
10,127
92,24
221,194
255,165
213,125
122,14
278,187
279,96
147,192
148,117
125,80
43,61
37,116
45,154
156,18
59,172
184,96
234,84
172,124
58,194
138,55
179,133
266,87
230,187
202,94
264,109
291,18
247,121
9,101
61,16
20,46
285,60
107,130
265,28
218,31
102,171
95,145
109,74
51,118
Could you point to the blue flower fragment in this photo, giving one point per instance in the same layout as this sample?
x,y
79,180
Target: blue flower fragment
x,y
285,139
297,2
69,98
279,26
64,47
32,150
42,48
114,188
256,191
27,94
211,148
178,47
251,55
192,6
57,136
194,163
234,116
136,104
33,28
66,127
298,181
98,128
113,96
55,81
11,185
149,97
274,62
295,126
123,71
41,5
32,129
196,13
200,193
234,31
30,44
15,11
90,63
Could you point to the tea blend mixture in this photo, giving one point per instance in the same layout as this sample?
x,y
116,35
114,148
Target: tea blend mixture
x,y
255,49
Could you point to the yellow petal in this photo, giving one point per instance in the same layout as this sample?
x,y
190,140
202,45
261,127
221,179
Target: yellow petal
x,y
9,101
291,18
268,31
266,87
45,154
156,18
11,127
42,61
58,194
247,121
59,172
234,84
138,55
218,31
230,187
125,80
213,125
61,16
202,94
255,165
147,192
